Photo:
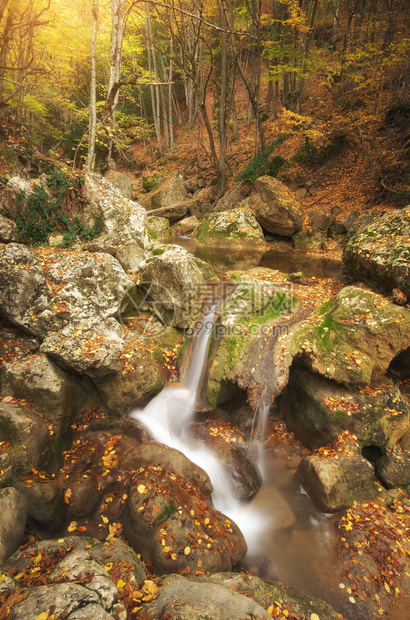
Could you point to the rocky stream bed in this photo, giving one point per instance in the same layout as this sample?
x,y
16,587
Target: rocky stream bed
x,y
100,521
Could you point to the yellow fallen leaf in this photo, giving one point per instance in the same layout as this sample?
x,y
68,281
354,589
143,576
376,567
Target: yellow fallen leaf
x,y
108,566
43,616
141,488
351,599
187,550
314,617
120,584
72,526
167,549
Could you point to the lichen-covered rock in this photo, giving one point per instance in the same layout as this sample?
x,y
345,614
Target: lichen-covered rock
x,y
13,510
8,230
334,482
317,410
238,225
314,231
169,194
43,290
15,344
28,438
250,347
380,252
275,206
45,386
24,292
16,186
124,220
87,348
169,521
394,467
173,283
357,336
90,571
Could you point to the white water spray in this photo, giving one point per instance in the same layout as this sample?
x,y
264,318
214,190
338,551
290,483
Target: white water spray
x,y
167,418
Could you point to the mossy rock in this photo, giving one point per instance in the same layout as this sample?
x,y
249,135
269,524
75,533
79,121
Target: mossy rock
x,y
238,225
251,311
380,252
357,335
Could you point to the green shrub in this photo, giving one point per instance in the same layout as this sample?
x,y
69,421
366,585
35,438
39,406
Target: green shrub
x,y
316,153
264,163
43,213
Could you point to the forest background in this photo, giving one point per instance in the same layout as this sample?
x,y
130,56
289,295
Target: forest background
x,y
224,90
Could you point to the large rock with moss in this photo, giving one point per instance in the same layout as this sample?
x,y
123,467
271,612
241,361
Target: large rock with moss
x,y
250,348
158,228
317,410
275,206
380,252
238,226
357,335
172,285
123,220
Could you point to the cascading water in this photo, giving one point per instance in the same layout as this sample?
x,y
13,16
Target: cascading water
x,y
167,418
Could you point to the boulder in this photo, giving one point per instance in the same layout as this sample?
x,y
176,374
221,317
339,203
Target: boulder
x,y
357,335
314,231
45,289
124,220
45,500
13,508
379,252
240,355
185,599
160,455
169,194
334,481
27,438
229,201
272,594
130,257
394,467
238,225
202,202
14,345
275,207
8,230
173,283
158,227
15,191
317,410
24,292
45,386
88,349
170,522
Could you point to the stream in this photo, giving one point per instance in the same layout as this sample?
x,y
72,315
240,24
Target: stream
x,y
288,539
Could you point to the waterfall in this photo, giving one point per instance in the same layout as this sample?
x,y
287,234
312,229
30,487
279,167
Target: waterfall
x,y
167,417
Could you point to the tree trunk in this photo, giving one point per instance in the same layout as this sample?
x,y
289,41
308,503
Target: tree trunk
x,y
92,126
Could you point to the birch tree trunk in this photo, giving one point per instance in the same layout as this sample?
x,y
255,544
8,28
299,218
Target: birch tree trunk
x,y
92,125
